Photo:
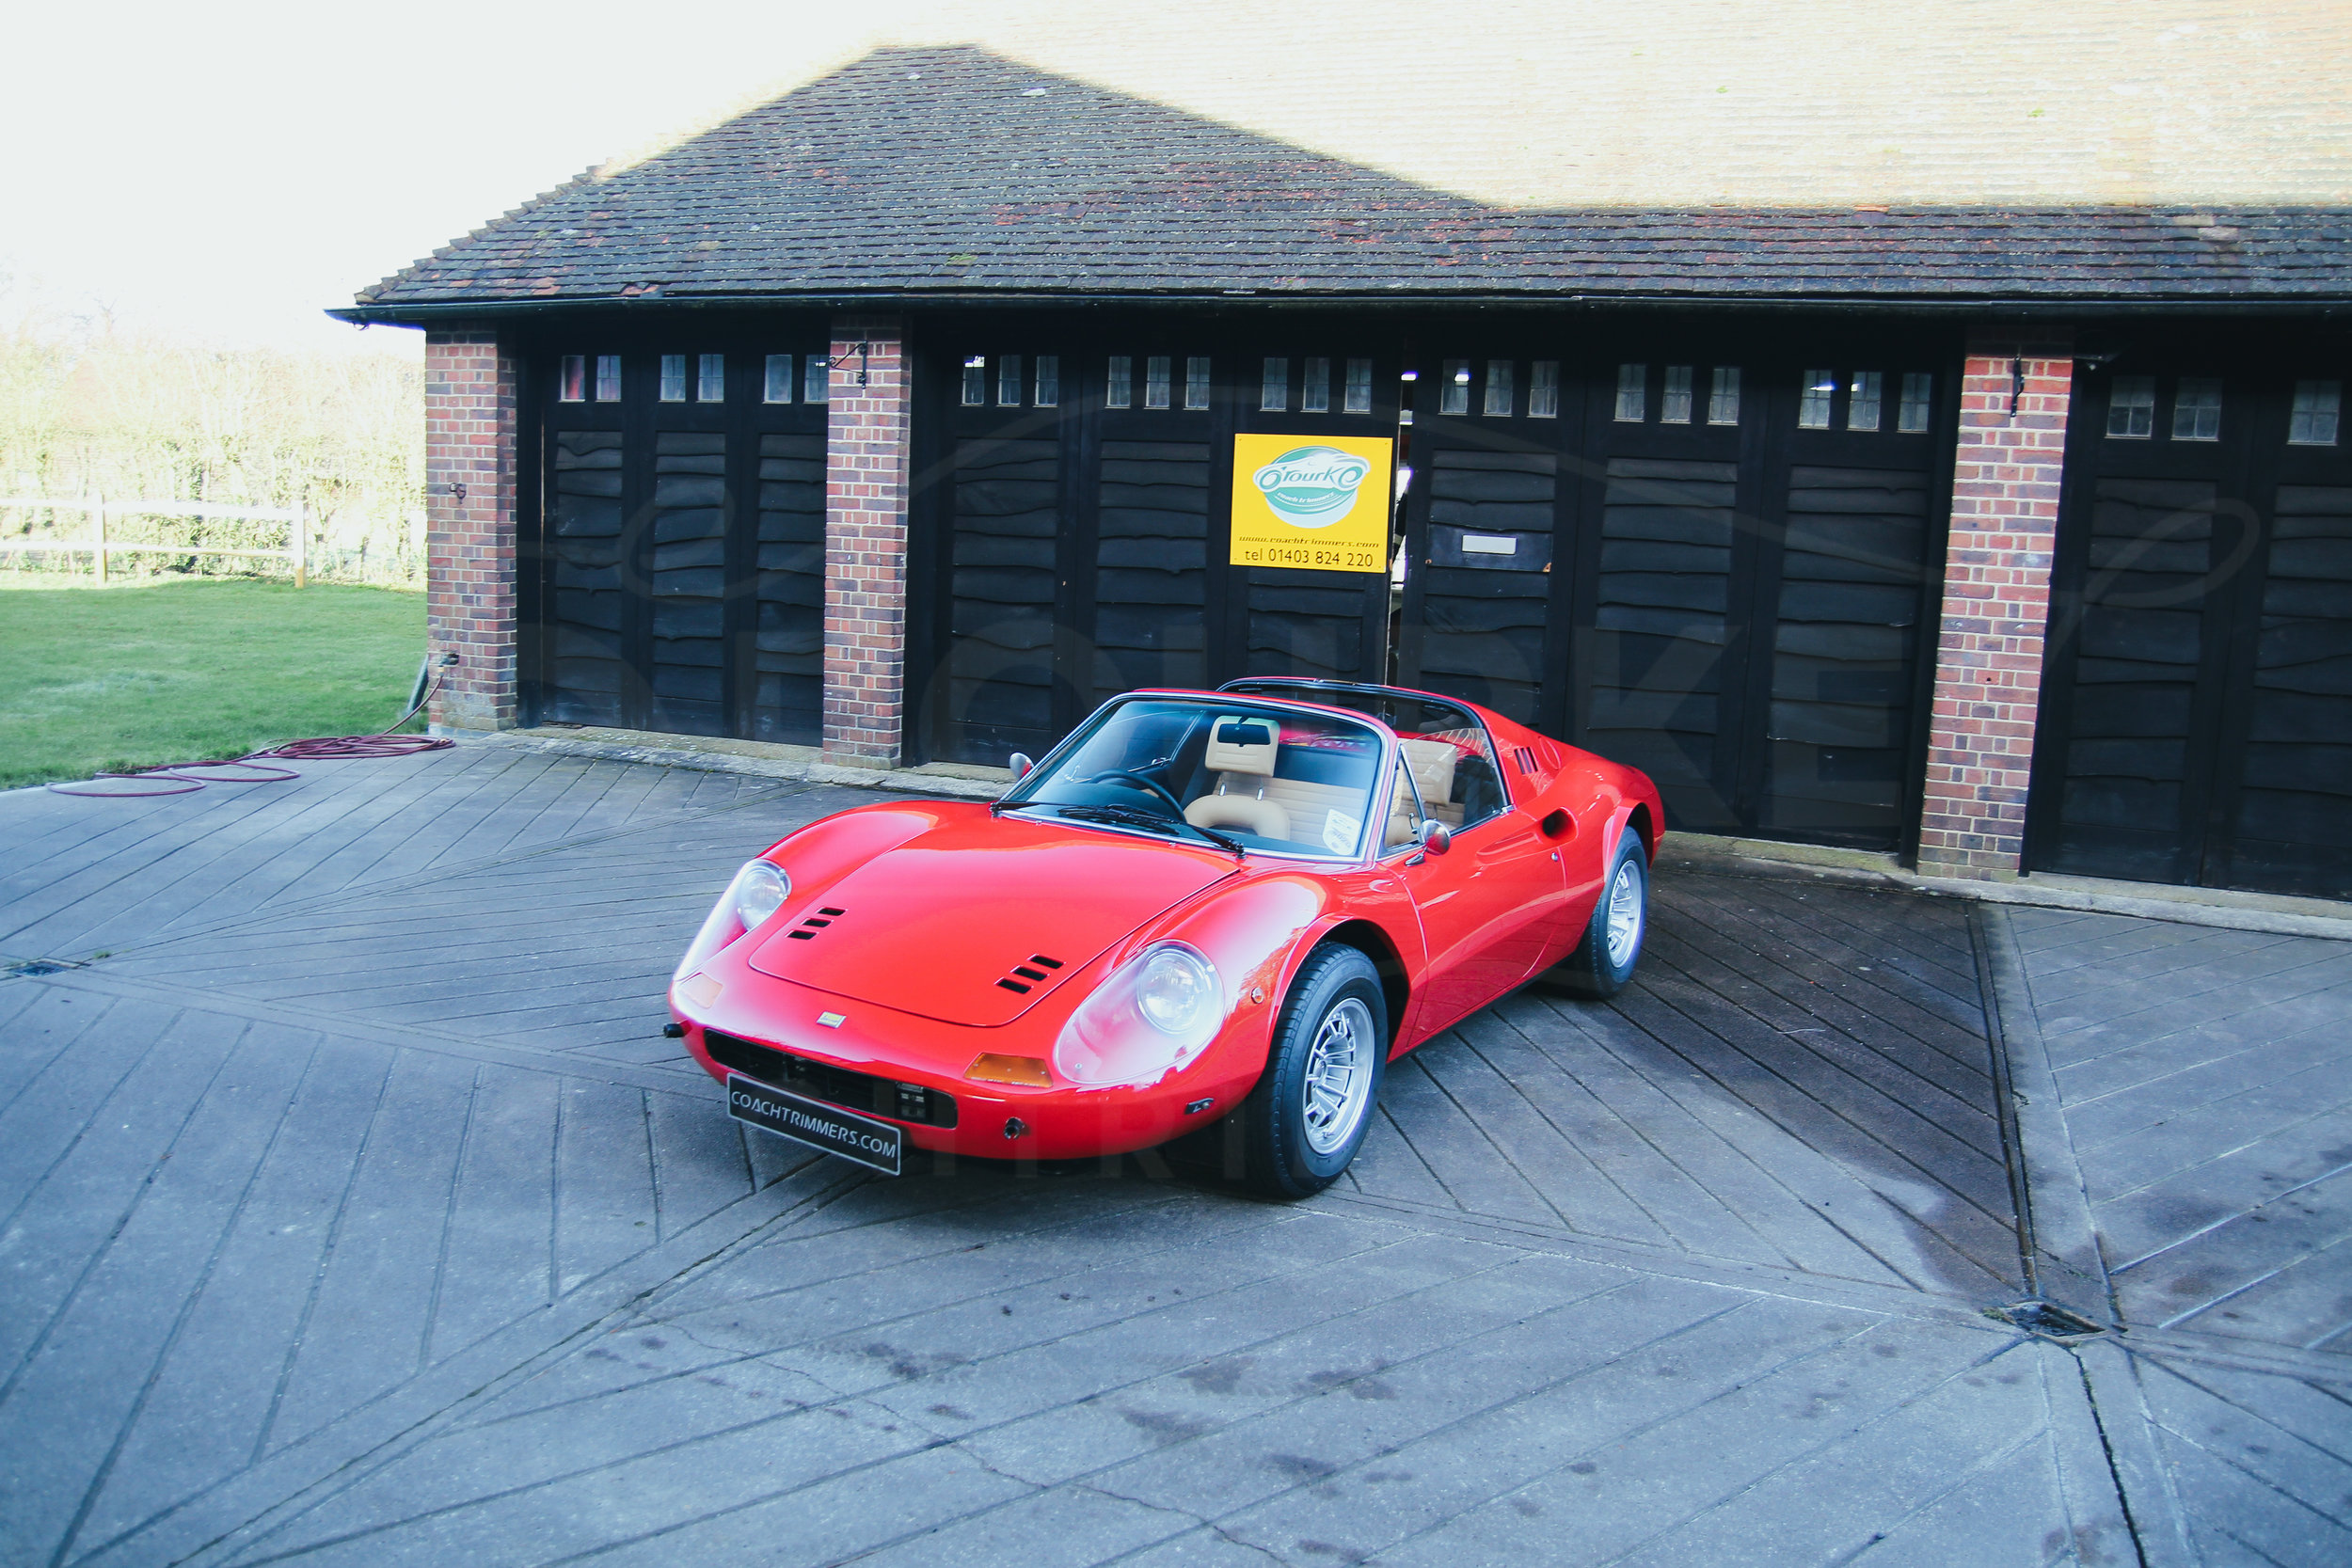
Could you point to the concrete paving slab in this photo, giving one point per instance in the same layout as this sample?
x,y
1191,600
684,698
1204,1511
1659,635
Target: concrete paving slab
x,y
352,1209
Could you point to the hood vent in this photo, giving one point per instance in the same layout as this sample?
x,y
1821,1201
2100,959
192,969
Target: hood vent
x,y
806,930
1033,973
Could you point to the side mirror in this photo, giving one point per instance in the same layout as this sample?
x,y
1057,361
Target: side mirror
x,y
1021,765
1435,837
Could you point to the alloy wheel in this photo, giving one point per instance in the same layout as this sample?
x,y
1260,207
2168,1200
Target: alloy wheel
x,y
1623,935
1338,1080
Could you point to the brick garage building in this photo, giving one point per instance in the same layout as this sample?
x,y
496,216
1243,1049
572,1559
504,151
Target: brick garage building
x,y
2007,529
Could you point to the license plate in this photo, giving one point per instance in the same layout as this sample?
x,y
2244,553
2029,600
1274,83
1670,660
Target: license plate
x,y
868,1142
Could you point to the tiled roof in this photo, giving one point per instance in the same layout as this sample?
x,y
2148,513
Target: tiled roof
x,y
951,172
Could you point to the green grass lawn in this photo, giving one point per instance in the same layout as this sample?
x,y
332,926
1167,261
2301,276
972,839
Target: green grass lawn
x,y
172,672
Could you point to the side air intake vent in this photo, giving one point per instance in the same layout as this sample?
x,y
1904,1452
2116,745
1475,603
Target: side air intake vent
x,y
1029,974
806,930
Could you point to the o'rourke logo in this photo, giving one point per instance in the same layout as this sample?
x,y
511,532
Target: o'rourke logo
x,y
1311,486
1310,502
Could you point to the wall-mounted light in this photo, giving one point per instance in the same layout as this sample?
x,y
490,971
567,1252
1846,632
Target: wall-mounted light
x,y
457,493
2016,384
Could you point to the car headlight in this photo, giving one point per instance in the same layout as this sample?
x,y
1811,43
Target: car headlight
x,y
757,892
1176,989
760,889
1151,1016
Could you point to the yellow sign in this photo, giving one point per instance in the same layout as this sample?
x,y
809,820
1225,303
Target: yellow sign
x,y
1320,503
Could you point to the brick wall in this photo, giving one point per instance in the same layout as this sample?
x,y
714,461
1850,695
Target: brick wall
x,y
866,542
1996,602
469,406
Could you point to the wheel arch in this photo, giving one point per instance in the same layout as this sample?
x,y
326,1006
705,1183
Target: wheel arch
x,y
1639,822
1368,938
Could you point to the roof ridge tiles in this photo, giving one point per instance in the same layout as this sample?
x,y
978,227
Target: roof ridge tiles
x,y
867,177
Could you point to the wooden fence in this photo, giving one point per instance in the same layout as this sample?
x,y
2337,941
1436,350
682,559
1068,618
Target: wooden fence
x,y
98,547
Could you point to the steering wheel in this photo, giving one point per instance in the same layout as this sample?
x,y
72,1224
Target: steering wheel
x,y
1138,780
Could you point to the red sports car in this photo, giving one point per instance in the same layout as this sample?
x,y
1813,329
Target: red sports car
x,y
1201,904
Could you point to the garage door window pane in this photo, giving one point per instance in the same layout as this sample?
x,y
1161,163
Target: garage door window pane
x,y
1918,400
1314,393
1675,408
1722,399
2318,405
777,386
572,386
1049,380
608,378
1009,381
1862,399
1359,386
1632,393
1119,391
2131,408
710,379
1542,390
673,378
816,380
1274,386
1155,380
1453,392
1500,388
975,380
1814,398
1197,382
2196,410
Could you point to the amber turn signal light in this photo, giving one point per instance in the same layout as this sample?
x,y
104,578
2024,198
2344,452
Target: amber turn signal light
x,y
1028,1071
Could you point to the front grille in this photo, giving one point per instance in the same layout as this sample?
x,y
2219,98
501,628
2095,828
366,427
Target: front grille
x,y
836,1085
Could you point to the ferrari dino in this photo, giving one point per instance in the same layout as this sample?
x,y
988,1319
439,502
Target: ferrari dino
x,y
1202,906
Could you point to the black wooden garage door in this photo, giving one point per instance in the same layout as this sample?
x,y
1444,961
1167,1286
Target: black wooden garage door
x,y
2197,713
680,558
1717,572
1075,503
1716,568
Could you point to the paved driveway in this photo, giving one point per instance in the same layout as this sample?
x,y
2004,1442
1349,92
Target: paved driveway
x,y
352,1209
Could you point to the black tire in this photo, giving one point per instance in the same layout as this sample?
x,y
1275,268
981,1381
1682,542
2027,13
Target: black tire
x,y
1589,971
1279,1155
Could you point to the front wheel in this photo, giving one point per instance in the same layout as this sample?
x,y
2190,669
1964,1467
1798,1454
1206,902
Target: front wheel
x,y
1308,1116
1612,946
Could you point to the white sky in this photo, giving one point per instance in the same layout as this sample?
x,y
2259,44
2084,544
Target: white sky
x,y
232,168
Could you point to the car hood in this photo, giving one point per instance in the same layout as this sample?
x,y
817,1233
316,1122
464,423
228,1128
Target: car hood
x,y
943,923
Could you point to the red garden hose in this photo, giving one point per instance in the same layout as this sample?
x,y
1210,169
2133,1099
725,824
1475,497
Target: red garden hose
x,y
187,778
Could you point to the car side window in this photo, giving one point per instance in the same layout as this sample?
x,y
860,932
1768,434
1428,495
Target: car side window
x,y
1454,770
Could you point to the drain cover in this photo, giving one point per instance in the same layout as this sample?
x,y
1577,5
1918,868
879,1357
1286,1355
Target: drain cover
x,y
2045,1320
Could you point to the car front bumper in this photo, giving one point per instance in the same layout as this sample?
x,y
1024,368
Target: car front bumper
x,y
895,1065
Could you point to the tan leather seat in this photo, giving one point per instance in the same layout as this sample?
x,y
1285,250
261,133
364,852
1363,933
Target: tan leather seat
x,y
1240,752
1433,762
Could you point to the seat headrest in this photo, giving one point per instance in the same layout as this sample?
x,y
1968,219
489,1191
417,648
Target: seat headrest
x,y
1239,745
1432,762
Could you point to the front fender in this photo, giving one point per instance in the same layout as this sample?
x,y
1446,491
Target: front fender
x,y
1258,934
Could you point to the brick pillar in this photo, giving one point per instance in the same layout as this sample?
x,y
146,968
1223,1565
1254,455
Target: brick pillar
x,y
866,542
470,408
1996,603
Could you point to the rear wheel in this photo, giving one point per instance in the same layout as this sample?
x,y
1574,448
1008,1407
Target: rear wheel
x,y
1308,1116
1604,961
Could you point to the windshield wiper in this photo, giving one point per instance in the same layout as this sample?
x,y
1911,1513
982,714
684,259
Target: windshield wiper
x,y
1128,816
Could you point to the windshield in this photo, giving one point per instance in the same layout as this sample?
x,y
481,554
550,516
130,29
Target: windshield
x,y
1231,772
